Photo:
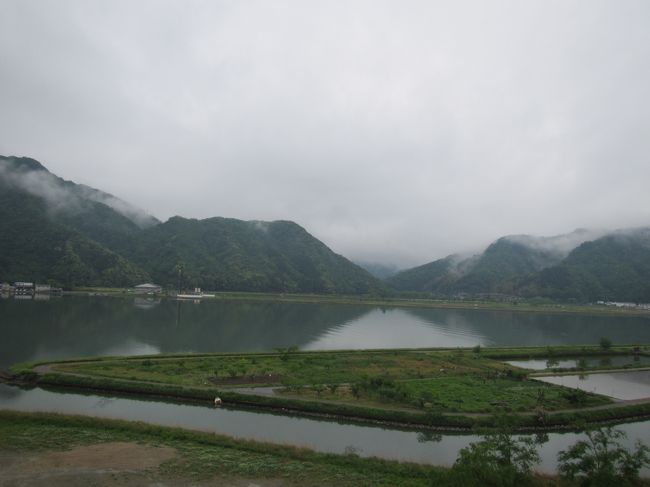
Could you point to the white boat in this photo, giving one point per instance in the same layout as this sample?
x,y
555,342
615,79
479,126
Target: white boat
x,y
197,294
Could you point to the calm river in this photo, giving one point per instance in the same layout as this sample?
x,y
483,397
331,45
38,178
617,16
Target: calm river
x,y
82,326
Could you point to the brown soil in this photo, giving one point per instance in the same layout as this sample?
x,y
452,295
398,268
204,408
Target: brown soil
x,y
103,465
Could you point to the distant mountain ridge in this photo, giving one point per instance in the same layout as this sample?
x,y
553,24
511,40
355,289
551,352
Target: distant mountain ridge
x,y
48,232
32,177
380,271
75,235
229,254
584,265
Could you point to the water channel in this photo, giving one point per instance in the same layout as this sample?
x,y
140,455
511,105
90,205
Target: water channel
x,y
83,326
319,435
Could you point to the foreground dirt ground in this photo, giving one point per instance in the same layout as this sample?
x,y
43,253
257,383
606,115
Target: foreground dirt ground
x,y
117,464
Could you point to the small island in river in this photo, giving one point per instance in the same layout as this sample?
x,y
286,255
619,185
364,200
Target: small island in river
x,y
458,388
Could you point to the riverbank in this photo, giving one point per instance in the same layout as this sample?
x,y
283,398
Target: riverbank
x,y
389,302
27,441
430,388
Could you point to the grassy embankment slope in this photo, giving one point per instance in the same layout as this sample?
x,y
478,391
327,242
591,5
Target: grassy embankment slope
x,y
202,457
446,388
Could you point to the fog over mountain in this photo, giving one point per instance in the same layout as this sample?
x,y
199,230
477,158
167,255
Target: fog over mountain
x,y
70,235
61,195
396,132
559,245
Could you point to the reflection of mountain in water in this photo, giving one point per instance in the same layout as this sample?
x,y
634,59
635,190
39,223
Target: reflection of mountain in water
x,y
241,326
396,328
510,328
82,326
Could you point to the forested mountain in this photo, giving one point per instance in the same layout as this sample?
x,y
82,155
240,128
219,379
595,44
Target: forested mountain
x,y
582,266
94,214
493,271
614,267
52,229
34,246
437,277
380,271
73,235
229,254
503,262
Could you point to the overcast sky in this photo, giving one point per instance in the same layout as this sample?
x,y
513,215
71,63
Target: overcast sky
x,y
396,132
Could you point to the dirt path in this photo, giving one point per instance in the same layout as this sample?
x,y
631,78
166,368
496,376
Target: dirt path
x,y
101,465
126,464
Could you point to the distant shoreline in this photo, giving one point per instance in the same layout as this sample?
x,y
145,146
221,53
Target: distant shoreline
x,y
524,307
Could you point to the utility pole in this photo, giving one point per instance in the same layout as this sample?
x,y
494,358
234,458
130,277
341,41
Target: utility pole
x,y
179,268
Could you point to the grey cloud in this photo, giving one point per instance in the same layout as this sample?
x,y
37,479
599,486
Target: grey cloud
x,y
397,132
59,195
559,244
41,184
136,215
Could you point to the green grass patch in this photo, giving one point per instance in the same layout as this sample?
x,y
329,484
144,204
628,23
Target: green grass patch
x,y
476,394
445,381
433,387
205,456
288,368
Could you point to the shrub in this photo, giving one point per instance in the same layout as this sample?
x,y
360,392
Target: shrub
x,y
601,460
605,343
499,460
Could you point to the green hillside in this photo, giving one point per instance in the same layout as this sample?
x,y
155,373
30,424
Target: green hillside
x,y
502,264
615,267
90,212
236,255
496,270
73,235
34,247
52,229
436,277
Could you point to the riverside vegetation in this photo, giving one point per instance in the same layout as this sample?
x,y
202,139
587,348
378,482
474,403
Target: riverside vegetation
x,y
435,387
498,459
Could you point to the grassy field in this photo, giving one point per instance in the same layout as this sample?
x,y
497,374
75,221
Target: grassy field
x,y
459,388
440,381
207,457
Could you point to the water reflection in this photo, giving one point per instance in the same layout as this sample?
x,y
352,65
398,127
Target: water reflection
x,y
82,326
131,347
619,385
325,436
146,303
397,328
582,362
